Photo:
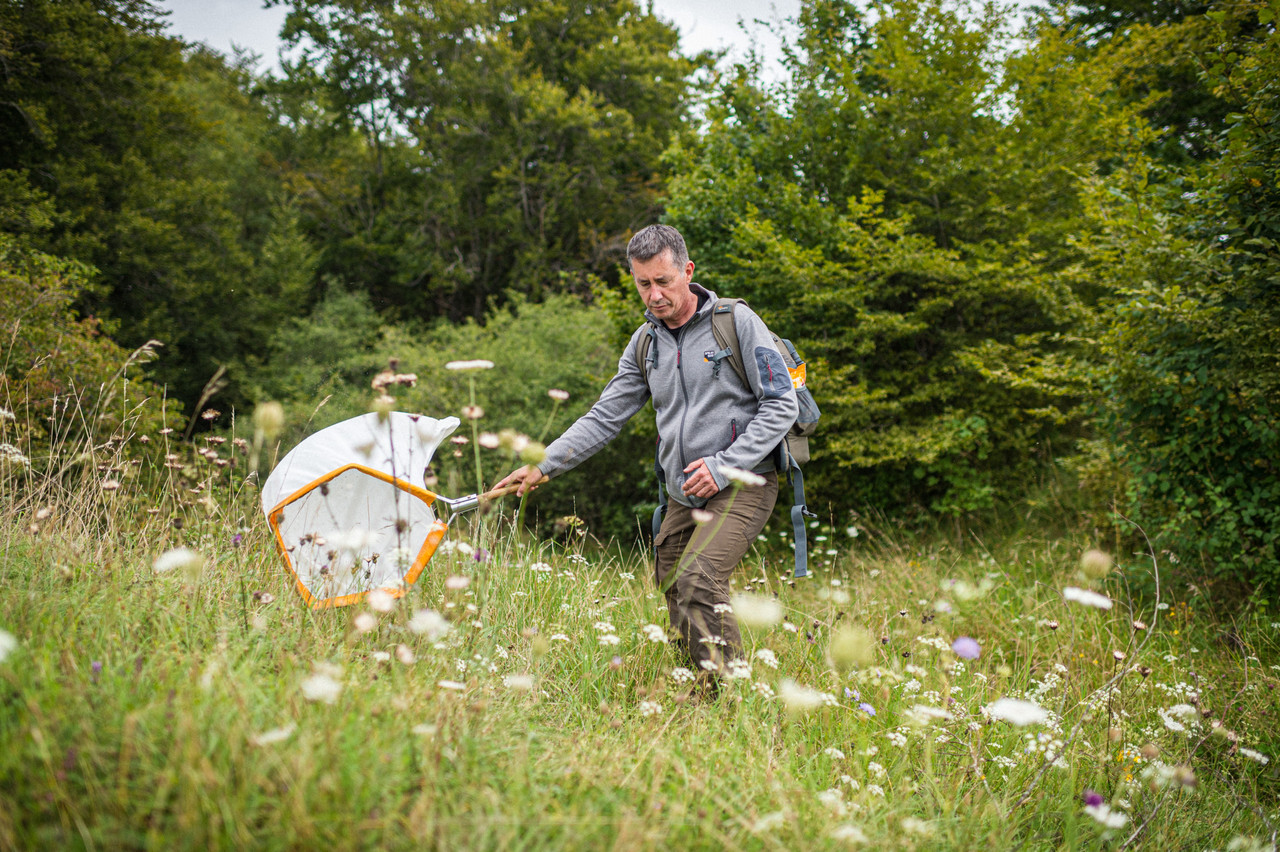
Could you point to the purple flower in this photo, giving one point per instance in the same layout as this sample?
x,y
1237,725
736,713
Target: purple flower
x,y
966,648
236,539
1092,799
96,666
851,693
867,708
480,555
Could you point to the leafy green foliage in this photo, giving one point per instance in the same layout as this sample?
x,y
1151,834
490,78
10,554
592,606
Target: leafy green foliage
x,y
1190,366
148,165
63,377
900,208
500,146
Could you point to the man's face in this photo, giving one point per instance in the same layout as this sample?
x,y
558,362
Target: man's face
x,y
664,288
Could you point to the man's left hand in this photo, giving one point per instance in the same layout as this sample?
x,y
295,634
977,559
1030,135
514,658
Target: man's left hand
x,y
700,482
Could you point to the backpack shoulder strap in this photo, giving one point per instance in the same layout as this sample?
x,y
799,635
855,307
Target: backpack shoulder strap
x,y
726,334
646,352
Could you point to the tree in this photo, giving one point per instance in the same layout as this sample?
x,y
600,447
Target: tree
x,y
499,145
149,159
903,207
1190,365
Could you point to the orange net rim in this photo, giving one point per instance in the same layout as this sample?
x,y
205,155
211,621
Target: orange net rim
x,y
434,536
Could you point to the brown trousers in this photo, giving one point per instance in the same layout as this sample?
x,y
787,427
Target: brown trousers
x,y
695,561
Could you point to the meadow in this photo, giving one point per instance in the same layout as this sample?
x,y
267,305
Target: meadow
x,y
162,685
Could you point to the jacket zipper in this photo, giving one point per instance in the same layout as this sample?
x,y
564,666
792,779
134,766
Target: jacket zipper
x,y
678,336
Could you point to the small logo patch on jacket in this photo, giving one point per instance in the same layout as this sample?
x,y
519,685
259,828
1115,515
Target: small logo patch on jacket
x,y
708,355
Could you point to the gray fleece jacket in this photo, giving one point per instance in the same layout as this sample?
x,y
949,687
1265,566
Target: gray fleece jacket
x,y
700,413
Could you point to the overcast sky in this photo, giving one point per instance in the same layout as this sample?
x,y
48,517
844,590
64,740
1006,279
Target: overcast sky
x,y
703,24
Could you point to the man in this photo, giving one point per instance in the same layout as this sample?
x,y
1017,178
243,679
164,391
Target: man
x,y
712,429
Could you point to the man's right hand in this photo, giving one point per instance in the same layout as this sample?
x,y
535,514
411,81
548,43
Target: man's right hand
x,y
526,478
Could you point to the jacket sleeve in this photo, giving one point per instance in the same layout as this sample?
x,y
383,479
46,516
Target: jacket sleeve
x,y
625,394
770,381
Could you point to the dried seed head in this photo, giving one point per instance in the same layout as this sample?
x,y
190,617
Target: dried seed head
x,y
268,418
1095,564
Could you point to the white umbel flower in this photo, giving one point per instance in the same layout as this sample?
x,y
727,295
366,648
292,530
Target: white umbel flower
x,y
1015,711
1086,597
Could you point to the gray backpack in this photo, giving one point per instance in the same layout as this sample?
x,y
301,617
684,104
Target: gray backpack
x,y
794,449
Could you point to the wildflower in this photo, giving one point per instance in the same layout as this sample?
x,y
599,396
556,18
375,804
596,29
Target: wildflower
x,y
185,559
1095,564
742,477
701,516
268,418
1086,597
1106,816
381,656
424,729
848,833
429,623
833,753
738,670
6,414
867,708
966,648
681,675
488,440
767,658
456,582
923,714
797,698
472,412
609,639
210,414
762,689
275,735
405,655
380,600
364,622
756,611
8,644
768,822
850,647
920,827
1092,799
558,637
323,684
654,633
833,800
649,708
875,790
1255,756
467,366
110,485
454,685
558,395
518,682
1017,712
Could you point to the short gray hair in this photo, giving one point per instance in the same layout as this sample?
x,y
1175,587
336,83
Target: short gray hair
x,y
652,241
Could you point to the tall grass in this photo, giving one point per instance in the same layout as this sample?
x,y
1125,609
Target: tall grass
x,y
209,708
